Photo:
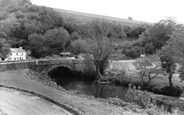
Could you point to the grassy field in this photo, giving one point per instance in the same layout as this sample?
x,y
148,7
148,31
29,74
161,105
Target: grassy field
x,y
84,17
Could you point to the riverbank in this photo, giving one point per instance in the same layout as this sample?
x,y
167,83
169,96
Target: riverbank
x,y
82,104
125,72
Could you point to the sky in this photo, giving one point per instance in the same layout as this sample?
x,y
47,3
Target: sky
x,y
142,10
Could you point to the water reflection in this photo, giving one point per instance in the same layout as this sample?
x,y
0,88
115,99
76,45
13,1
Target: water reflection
x,y
90,88
102,91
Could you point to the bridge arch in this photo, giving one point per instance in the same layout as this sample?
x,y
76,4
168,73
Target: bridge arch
x,y
49,69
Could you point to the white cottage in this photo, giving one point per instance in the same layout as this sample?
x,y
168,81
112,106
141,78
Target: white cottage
x,y
16,54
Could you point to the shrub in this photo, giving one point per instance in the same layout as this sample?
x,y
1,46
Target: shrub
x,y
79,46
138,97
87,67
171,91
132,52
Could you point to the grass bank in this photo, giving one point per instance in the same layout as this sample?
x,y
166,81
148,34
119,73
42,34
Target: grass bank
x,y
125,72
85,105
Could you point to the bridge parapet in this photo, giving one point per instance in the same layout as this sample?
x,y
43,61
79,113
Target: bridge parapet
x,y
45,66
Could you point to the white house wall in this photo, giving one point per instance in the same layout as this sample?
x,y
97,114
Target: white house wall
x,y
16,56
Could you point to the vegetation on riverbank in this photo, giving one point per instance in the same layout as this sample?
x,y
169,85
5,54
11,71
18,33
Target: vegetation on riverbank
x,y
137,100
158,85
45,32
29,80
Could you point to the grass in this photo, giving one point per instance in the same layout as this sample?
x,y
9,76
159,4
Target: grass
x,y
85,17
84,105
129,68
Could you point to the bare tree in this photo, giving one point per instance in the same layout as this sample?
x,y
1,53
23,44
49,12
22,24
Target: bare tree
x,y
148,69
101,50
100,45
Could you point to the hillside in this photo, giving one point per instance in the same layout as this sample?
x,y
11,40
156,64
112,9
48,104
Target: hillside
x,y
84,17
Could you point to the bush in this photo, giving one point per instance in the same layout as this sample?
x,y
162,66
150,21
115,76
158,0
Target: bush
x,y
175,91
79,46
138,97
87,67
132,52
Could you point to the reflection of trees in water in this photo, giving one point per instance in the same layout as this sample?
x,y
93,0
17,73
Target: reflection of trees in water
x,y
100,92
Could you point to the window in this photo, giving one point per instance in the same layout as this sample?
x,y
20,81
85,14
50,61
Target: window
x,y
22,54
17,54
14,58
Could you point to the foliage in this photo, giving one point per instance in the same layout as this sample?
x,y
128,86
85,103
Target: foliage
x,y
149,68
4,48
36,45
137,96
177,43
87,67
52,42
150,39
100,50
55,40
174,91
79,46
136,31
168,63
117,31
130,18
100,45
159,33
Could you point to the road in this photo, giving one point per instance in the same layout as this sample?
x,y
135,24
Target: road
x,y
15,102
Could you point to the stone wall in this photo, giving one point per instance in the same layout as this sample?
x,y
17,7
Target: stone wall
x,y
41,65
13,66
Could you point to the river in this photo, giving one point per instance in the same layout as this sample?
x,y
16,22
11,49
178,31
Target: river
x,y
65,78
91,88
98,90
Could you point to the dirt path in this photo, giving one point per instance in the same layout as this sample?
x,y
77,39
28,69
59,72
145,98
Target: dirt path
x,y
14,102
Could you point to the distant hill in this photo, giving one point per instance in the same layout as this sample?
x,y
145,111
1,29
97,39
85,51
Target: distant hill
x,y
80,17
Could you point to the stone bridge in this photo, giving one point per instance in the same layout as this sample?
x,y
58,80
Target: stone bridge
x,y
45,66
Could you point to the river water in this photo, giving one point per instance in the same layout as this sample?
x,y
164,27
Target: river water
x,y
91,88
99,90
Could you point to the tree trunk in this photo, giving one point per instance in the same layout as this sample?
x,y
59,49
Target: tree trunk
x,y
63,48
170,79
98,71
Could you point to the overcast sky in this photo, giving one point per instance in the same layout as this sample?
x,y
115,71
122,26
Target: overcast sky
x,y
142,10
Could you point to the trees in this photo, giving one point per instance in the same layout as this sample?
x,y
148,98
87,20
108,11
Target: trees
x,y
159,33
55,40
135,31
100,45
150,39
4,48
176,42
36,45
168,62
148,69
117,31
52,42
79,46
130,18
100,49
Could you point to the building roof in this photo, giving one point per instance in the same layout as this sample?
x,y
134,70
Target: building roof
x,y
16,50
